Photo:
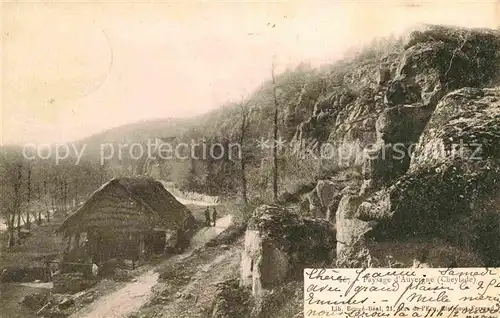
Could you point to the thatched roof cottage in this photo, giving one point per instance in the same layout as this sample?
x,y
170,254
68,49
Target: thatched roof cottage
x,y
126,218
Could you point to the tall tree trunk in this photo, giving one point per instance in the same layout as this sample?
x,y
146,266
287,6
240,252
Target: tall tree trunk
x,y
54,207
10,225
244,116
243,182
18,211
28,200
17,201
39,197
65,197
275,137
55,197
61,196
102,173
76,192
46,198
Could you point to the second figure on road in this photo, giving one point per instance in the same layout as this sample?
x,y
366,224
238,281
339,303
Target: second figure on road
x,y
214,216
207,217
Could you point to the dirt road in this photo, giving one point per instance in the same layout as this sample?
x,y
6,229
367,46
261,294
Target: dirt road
x,y
207,233
198,294
123,301
194,202
133,295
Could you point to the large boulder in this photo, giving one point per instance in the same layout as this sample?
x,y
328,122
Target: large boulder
x,y
329,197
315,207
279,244
465,125
324,199
327,192
350,234
439,59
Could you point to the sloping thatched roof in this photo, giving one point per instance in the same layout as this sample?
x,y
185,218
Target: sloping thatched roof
x,y
160,206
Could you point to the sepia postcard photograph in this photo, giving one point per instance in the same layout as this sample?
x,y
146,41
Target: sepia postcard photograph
x,y
223,159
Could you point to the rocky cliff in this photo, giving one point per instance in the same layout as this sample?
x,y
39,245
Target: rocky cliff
x,y
425,126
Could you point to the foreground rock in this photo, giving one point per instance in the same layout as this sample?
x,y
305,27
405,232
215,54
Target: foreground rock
x,y
280,244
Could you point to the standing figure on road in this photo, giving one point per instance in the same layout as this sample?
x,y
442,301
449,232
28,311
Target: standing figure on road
x,y
214,216
207,217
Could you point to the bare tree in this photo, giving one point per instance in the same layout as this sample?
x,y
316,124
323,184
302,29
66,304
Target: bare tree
x,y
28,199
61,196
102,173
55,195
46,199
16,181
39,199
17,198
53,203
76,192
243,129
11,217
65,196
275,135
16,185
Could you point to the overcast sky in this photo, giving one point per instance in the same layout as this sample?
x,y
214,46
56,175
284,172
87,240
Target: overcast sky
x,y
74,69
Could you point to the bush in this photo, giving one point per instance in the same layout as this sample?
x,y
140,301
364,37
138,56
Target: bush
x,y
231,300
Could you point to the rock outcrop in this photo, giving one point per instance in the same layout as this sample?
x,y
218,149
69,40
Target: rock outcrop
x,y
323,200
280,244
453,182
351,250
402,112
